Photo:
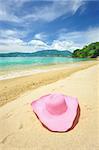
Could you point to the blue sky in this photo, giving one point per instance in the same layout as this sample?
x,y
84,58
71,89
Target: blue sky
x,y
33,25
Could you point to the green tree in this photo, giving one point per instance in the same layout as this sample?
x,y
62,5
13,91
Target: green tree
x,y
89,51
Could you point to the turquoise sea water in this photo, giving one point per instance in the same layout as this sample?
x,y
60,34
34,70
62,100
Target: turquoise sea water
x,y
11,62
11,67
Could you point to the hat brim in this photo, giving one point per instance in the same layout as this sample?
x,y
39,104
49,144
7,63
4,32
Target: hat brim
x,y
60,123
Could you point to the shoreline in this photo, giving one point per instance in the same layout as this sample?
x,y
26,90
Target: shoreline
x,y
31,70
13,88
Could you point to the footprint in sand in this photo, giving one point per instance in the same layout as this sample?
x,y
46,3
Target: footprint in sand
x,y
21,126
88,108
8,115
5,139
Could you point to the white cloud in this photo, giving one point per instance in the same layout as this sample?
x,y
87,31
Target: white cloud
x,y
65,41
40,36
11,41
11,45
38,45
8,9
37,42
44,13
15,44
76,4
64,45
5,14
55,10
81,37
92,34
7,35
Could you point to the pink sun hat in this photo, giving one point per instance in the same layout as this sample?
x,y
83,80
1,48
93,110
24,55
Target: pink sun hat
x,y
57,112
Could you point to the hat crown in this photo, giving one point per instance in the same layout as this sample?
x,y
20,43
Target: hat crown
x,y
56,104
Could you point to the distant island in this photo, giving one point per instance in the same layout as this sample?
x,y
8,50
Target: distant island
x,y
43,53
89,51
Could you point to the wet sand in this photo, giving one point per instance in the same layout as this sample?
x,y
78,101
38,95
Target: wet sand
x,y
12,88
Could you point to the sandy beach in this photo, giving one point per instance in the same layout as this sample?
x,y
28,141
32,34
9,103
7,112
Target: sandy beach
x,y
13,87
21,130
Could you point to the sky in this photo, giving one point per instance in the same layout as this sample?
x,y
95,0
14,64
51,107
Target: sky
x,y
34,25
